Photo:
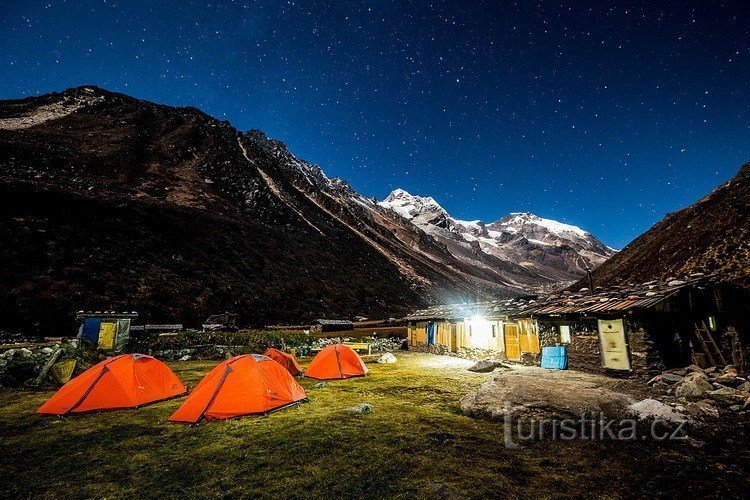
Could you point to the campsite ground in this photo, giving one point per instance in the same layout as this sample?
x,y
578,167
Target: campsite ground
x,y
414,442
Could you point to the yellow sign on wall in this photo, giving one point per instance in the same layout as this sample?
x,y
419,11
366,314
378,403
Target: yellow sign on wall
x,y
107,335
614,346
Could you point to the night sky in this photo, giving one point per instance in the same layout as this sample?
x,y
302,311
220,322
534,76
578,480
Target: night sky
x,y
606,117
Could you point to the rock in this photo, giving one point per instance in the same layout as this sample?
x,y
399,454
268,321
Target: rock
x,y
387,358
695,368
727,396
678,371
747,403
484,366
703,408
321,384
710,369
735,407
660,386
671,378
361,408
186,357
729,379
651,408
693,385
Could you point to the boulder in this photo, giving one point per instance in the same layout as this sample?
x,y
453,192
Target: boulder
x,y
703,408
483,366
651,408
360,408
744,386
678,371
671,378
729,379
387,358
693,385
727,396
695,368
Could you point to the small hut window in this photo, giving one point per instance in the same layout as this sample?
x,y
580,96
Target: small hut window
x,y
712,323
565,334
494,331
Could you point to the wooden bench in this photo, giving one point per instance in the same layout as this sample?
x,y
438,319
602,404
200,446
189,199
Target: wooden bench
x,y
357,346
360,346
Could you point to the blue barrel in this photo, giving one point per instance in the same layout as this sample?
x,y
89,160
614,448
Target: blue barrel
x,y
555,357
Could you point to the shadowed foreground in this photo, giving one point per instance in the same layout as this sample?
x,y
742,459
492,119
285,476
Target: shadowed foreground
x,y
415,441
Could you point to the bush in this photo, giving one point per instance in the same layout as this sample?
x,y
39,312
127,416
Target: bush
x,y
208,344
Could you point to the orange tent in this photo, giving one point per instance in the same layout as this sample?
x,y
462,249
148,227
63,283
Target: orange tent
x,y
244,385
336,361
124,381
284,359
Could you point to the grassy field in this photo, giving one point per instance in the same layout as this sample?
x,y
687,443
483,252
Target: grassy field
x,y
415,442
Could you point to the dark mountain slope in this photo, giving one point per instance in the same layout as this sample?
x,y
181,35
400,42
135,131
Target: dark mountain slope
x,y
711,236
109,202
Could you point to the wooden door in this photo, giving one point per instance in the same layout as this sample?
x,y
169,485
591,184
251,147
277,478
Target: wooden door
x,y
512,341
614,345
529,337
454,337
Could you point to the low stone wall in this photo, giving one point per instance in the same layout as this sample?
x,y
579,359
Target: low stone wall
x,y
431,348
463,352
21,365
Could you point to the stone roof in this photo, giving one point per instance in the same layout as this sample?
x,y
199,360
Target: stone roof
x,y
495,309
615,299
323,321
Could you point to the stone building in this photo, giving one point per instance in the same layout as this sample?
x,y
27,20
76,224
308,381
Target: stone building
x,y
631,329
476,330
646,328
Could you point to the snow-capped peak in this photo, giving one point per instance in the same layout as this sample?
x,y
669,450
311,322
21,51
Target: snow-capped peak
x,y
410,206
515,220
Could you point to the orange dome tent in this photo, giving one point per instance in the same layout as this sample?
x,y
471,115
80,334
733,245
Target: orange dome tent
x,y
244,385
124,381
284,359
336,361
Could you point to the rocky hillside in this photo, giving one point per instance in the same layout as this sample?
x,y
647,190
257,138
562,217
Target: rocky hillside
x,y
712,236
109,202
551,251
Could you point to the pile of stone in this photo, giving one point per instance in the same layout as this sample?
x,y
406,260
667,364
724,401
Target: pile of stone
x,y
177,354
19,366
705,391
487,366
479,354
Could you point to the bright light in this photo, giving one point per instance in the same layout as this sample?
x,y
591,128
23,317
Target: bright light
x,y
481,331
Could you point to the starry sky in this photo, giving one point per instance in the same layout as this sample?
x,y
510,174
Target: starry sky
x,y
606,116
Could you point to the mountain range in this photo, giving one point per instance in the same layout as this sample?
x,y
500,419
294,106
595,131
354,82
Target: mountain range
x,y
554,252
111,202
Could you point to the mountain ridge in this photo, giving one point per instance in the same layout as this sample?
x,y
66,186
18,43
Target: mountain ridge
x,y
554,250
112,202
711,236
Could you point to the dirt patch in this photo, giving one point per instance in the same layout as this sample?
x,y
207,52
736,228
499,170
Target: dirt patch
x,y
534,391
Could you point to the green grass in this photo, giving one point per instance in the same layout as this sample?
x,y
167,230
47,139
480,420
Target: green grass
x,y
414,442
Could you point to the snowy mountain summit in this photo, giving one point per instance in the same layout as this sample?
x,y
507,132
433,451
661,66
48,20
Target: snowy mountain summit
x,y
552,249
